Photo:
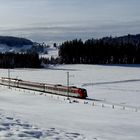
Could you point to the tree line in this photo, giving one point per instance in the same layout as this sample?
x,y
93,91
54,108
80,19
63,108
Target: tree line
x,y
19,60
107,50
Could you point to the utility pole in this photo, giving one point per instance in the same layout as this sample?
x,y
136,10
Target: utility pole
x,y
9,77
68,85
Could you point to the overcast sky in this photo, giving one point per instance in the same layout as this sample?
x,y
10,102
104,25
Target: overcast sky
x,y
58,20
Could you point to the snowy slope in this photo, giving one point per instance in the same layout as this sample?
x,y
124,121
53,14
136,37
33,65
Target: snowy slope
x,y
51,52
31,115
5,48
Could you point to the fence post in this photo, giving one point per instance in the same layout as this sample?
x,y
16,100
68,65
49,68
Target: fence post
x,y
113,106
103,105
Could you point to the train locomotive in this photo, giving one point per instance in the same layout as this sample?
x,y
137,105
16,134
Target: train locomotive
x,y
47,88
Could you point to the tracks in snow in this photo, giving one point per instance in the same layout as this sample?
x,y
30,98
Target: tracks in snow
x,y
16,129
111,82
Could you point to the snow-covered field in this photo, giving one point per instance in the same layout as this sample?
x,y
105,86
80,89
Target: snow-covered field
x,y
31,115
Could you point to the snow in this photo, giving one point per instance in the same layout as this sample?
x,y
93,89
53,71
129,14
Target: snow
x,y
113,115
5,48
52,52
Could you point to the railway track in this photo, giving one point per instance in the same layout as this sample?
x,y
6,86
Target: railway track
x,y
89,101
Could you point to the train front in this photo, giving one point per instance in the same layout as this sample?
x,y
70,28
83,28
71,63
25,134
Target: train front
x,y
83,93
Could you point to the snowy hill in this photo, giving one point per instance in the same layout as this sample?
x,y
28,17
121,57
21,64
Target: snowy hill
x,y
4,48
14,41
51,52
14,44
21,45
111,114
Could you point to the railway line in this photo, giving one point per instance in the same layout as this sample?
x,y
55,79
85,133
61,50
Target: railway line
x,y
73,94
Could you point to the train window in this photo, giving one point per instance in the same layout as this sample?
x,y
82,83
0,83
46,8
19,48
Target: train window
x,y
73,87
58,85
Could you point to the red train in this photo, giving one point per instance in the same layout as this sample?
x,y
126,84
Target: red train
x,y
47,88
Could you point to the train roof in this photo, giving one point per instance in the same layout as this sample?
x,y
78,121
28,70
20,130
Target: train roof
x,y
45,84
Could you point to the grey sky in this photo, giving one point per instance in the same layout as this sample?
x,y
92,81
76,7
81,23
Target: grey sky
x,y
57,20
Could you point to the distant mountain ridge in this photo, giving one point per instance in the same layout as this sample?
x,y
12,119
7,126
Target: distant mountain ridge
x,y
125,39
14,41
130,37
20,45
19,42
